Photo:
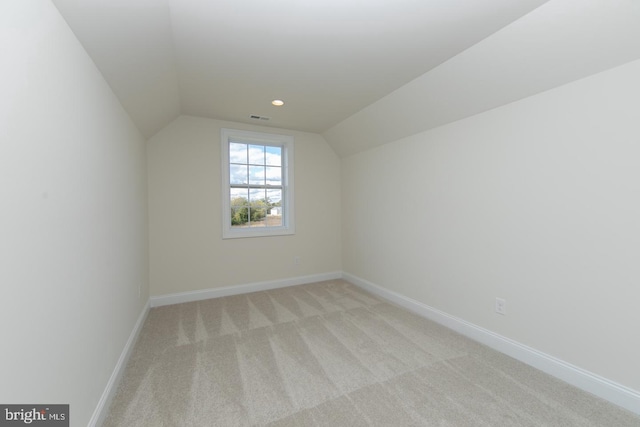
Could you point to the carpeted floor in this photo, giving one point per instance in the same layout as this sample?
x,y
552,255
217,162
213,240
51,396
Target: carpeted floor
x,y
330,354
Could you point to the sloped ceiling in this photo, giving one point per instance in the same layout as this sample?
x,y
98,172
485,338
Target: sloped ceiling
x,y
560,42
131,42
362,73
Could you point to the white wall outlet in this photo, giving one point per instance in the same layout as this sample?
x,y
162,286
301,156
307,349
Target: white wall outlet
x,y
297,261
501,306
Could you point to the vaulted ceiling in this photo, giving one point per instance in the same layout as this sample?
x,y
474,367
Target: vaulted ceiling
x,y
336,63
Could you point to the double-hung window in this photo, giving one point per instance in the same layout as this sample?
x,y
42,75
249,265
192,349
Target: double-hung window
x,y
257,184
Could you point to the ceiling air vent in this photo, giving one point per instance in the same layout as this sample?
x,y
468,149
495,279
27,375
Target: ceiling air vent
x,y
256,117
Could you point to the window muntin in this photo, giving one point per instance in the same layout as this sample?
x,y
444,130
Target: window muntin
x,y
257,184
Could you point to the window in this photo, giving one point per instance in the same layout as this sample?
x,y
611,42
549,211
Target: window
x,y
257,184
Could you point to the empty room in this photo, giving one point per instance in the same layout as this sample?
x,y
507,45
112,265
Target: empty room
x,y
320,213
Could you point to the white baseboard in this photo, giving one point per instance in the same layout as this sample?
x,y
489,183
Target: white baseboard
x,y
580,378
181,297
100,413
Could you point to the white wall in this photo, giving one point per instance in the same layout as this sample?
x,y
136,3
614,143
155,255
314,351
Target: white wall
x,y
186,249
536,202
72,216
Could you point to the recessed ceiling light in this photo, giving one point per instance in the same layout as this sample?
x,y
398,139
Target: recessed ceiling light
x,y
277,102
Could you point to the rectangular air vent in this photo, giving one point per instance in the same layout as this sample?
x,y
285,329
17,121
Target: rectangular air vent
x,y
256,117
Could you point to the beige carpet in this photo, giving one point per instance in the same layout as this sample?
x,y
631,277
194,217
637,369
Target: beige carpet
x,y
330,354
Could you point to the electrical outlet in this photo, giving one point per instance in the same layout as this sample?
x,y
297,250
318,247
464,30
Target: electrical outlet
x,y
501,306
297,261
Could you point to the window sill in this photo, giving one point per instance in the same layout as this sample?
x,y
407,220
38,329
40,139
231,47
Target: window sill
x,y
245,233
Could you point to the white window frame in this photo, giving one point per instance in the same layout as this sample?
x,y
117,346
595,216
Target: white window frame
x,y
288,218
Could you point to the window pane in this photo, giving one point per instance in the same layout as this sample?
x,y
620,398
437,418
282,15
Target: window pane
x,y
274,196
256,175
274,156
237,174
239,196
256,194
274,175
240,217
274,219
237,153
256,154
258,213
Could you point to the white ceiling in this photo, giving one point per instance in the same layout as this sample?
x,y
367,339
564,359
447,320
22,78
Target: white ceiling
x,y
361,72
227,59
